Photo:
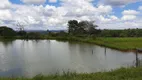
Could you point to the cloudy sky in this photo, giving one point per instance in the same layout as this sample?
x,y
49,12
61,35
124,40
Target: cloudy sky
x,y
54,14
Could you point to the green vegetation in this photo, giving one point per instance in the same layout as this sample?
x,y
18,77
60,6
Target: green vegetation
x,y
120,33
81,28
119,43
119,74
123,44
84,31
7,32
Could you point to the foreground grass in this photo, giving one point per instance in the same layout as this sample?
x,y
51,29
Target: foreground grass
x,y
120,74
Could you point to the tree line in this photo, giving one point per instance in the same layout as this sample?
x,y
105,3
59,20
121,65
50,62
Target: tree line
x,y
120,33
88,28
75,28
7,32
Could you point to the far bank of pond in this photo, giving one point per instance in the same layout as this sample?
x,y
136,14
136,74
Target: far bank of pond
x,y
123,44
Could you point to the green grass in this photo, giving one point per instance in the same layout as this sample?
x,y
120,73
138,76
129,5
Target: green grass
x,y
119,74
126,44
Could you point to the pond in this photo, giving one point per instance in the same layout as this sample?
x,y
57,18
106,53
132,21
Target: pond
x,y
30,58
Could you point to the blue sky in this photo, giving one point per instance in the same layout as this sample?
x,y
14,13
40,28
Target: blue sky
x,y
46,3
117,10
54,14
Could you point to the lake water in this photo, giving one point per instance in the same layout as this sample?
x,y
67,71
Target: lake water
x,y
29,58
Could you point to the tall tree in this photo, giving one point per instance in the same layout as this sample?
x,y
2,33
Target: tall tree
x,y
73,25
82,27
88,27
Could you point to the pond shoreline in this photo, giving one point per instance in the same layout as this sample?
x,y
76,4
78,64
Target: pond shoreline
x,y
118,74
101,41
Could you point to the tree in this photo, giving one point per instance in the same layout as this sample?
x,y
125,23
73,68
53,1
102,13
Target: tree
x,y
73,25
88,27
82,27
7,32
22,33
33,35
20,27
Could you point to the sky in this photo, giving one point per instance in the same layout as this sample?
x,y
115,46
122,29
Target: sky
x,y
55,14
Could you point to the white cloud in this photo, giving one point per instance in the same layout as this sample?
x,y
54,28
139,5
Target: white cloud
x,y
52,1
134,24
104,9
103,19
140,8
4,4
5,15
51,17
1,22
114,17
130,12
128,17
34,1
119,2
121,25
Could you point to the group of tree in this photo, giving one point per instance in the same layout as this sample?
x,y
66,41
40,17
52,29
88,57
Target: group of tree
x,y
6,31
81,28
121,33
9,32
75,28
86,28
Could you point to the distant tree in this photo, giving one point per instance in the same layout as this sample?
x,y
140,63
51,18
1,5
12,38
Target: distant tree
x,y
7,32
73,27
20,26
34,35
48,31
62,33
124,33
82,27
21,31
87,27
121,33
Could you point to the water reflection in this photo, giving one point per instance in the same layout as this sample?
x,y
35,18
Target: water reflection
x,y
30,57
6,42
11,72
10,60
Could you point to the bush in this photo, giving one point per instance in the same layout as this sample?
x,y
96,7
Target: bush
x,y
33,35
22,33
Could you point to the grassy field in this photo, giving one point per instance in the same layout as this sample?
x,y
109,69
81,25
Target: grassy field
x,y
120,74
124,44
